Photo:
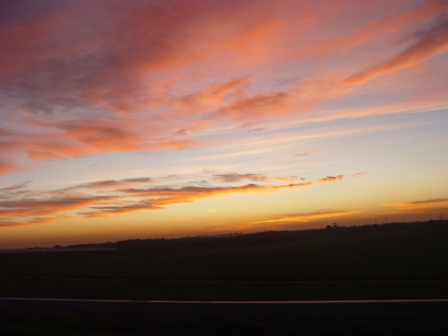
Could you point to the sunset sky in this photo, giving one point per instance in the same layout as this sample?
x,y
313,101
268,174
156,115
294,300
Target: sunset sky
x,y
138,119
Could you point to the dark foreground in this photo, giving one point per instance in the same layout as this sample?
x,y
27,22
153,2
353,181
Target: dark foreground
x,y
45,323
367,263
302,319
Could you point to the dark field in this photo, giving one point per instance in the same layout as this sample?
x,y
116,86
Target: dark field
x,y
409,262
57,324
378,262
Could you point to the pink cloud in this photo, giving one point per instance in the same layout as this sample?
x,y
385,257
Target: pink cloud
x,y
215,94
401,17
83,78
331,179
274,103
429,42
356,175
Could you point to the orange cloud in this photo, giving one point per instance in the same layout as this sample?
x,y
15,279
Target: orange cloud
x,y
7,167
421,206
48,149
163,196
20,205
105,198
274,103
160,197
215,94
307,217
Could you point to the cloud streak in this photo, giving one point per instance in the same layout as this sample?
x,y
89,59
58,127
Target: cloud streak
x,y
331,179
108,197
357,175
429,43
239,177
304,154
307,217
420,206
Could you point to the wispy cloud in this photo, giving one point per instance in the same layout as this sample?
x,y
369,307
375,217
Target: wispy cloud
x,y
268,104
105,198
357,175
45,209
108,197
114,184
429,42
331,179
233,177
307,217
15,187
304,154
164,196
208,171
420,206
288,179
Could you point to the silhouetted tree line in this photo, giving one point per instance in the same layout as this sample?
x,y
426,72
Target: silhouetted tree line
x,y
258,238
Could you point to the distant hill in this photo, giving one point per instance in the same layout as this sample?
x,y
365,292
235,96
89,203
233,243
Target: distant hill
x,y
248,239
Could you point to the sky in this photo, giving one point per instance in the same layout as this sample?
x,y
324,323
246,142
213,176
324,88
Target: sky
x,y
168,118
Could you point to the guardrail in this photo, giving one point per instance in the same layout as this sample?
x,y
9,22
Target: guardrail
x,y
269,309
